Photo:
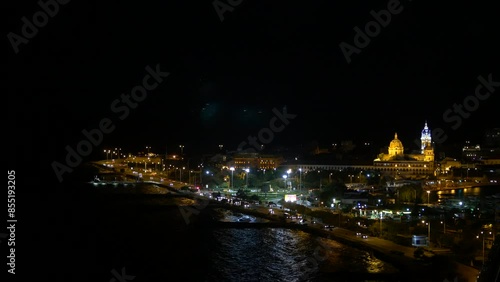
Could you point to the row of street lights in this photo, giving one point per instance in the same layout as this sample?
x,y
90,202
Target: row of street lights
x,y
429,230
116,151
483,235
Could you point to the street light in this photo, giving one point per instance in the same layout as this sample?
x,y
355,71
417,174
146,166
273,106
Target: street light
x,y
300,179
118,152
182,149
428,193
428,232
247,170
444,227
232,172
284,179
380,224
288,174
148,148
482,233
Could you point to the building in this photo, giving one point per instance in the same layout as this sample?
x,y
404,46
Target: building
x,y
256,161
419,241
425,139
396,162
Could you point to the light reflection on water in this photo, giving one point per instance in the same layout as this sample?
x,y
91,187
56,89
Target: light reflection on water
x,y
276,254
230,254
479,193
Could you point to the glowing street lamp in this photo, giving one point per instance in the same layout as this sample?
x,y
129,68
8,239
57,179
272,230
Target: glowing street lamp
x,y
288,173
247,171
482,233
428,193
284,179
428,232
380,224
232,172
300,179
351,176
118,152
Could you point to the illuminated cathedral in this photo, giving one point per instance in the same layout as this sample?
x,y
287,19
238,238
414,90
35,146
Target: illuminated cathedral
x,y
396,149
395,159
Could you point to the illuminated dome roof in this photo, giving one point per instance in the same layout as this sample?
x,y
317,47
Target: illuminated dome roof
x,y
396,143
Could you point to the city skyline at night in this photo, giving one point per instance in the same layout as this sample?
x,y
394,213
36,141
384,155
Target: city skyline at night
x,y
236,140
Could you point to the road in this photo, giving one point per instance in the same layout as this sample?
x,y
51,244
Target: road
x,y
465,273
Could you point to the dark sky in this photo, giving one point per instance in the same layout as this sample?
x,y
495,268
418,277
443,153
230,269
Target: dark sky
x,y
226,77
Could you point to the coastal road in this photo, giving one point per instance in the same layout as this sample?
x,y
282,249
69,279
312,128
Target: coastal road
x,y
465,273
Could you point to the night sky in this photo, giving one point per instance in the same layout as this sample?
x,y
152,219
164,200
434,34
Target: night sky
x,y
226,76
215,78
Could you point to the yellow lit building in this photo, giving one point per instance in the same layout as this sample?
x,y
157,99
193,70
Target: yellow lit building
x,y
396,162
257,161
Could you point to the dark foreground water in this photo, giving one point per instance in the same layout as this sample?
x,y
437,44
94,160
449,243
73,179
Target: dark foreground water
x,y
285,255
108,237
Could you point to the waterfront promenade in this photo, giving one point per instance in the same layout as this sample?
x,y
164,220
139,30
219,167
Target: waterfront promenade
x,y
398,255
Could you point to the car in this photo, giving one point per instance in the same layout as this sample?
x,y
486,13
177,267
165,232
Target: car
x,y
358,234
364,236
330,227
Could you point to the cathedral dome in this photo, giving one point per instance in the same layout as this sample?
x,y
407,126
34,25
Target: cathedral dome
x,y
396,143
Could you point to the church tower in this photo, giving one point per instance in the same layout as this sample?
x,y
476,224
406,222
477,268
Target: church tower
x,y
425,139
428,154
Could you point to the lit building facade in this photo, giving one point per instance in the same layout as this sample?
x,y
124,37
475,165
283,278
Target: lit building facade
x,y
398,163
257,161
395,162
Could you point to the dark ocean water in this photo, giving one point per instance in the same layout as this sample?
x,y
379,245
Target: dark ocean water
x,y
151,238
226,254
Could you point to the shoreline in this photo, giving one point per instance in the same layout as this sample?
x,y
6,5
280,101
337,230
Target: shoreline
x,y
406,265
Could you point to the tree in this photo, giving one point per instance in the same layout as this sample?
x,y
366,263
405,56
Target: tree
x,y
332,190
241,194
255,198
265,188
411,193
